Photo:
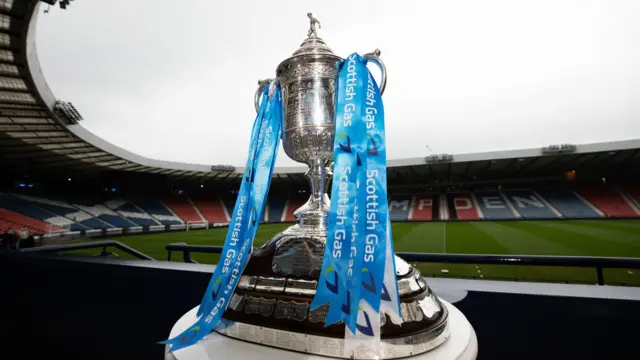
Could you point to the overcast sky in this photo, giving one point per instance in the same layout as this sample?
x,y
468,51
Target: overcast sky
x,y
174,80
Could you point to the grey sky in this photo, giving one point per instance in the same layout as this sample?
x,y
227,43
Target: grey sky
x,y
175,80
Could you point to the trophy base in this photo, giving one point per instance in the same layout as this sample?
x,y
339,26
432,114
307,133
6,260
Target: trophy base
x,y
271,304
461,344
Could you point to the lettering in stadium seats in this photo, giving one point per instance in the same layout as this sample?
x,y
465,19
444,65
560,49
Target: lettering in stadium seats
x,y
462,203
493,202
403,205
425,202
522,201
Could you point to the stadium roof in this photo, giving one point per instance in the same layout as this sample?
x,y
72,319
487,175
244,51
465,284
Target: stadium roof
x,y
41,135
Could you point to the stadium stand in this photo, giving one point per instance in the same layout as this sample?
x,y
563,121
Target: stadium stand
x,y
293,203
64,209
157,210
182,206
131,212
276,205
10,220
567,203
633,193
212,209
529,205
608,200
422,209
229,201
52,213
462,207
101,212
400,207
494,206
27,208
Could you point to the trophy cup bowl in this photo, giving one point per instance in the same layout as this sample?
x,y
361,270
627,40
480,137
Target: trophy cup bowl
x,y
271,303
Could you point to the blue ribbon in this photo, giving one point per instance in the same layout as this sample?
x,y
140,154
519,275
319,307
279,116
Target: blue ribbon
x,y
356,279
375,189
339,268
265,138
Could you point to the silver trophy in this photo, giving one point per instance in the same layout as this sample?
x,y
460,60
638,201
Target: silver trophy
x,y
308,80
271,303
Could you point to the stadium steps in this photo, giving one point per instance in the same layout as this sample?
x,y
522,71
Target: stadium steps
x,y
513,209
131,212
435,208
444,208
528,205
451,208
547,204
16,221
476,205
629,200
99,210
157,210
181,207
608,200
202,218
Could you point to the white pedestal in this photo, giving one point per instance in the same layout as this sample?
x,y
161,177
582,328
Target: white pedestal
x,y
461,345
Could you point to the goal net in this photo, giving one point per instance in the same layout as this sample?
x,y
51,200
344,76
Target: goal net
x,y
197,225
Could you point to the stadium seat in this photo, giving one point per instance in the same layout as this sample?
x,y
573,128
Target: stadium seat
x,y
462,206
494,206
10,220
529,205
293,204
181,206
212,209
275,210
399,207
131,212
422,209
633,192
608,200
107,215
157,210
66,210
31,210
567,203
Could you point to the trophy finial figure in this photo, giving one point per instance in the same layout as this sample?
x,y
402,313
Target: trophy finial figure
x,y
312,26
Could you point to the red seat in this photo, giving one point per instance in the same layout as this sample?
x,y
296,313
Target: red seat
x,y
293,204
212,210
181,206
608,200
15,221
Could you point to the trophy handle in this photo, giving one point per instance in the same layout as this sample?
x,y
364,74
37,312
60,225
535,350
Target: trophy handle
x,y
256,98
375,58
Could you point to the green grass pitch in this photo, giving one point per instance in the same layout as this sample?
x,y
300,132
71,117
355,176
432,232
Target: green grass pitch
x,y
620,238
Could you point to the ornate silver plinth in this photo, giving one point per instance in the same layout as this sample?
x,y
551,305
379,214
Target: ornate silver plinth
x,y
273,297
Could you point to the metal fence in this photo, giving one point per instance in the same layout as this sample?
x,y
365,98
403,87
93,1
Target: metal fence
x,y
597,263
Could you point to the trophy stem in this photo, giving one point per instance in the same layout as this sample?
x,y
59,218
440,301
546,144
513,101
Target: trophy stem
x,y
314,211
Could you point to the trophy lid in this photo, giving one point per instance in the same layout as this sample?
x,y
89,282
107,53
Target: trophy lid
x,y
313,47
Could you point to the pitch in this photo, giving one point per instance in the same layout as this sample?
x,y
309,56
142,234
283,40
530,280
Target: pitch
x,y
616,238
